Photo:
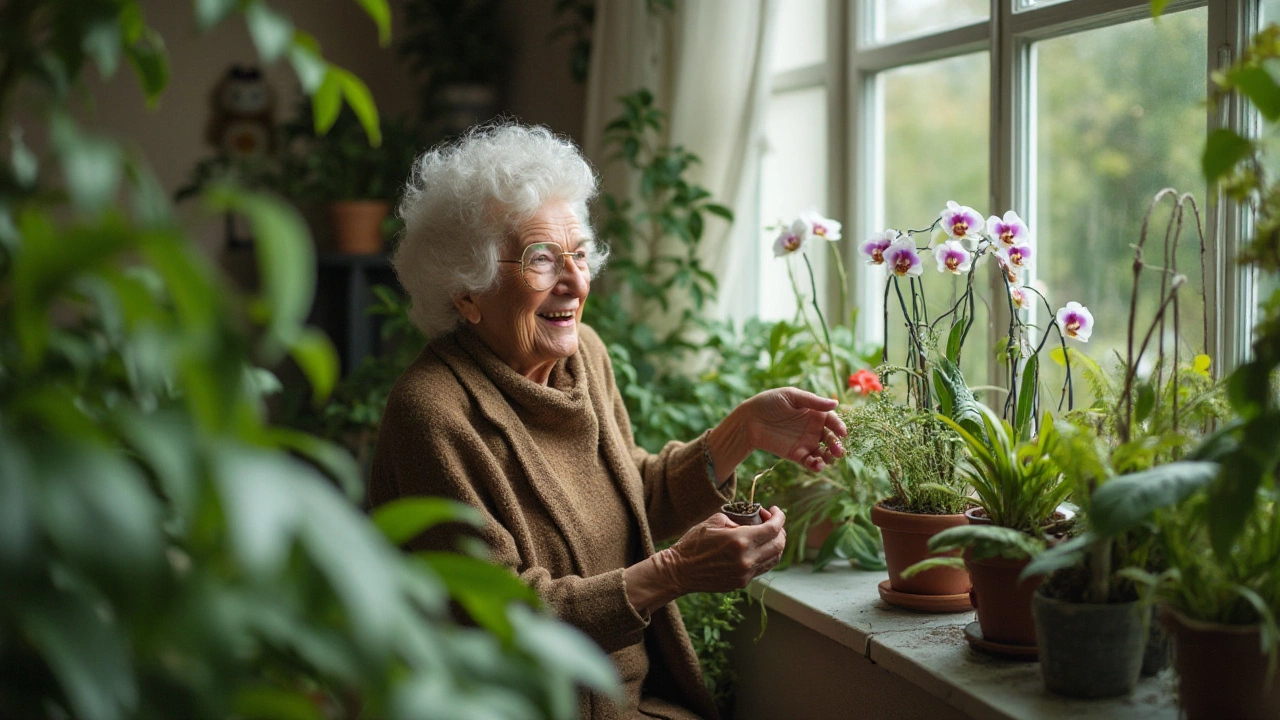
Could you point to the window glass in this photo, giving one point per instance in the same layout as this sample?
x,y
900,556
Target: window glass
x,y
897,19
793,179
800,34
934,135
1112,129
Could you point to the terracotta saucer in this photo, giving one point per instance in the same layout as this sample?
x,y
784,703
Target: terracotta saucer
x,y
925,603
973,633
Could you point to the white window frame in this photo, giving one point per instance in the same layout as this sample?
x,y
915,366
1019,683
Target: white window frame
x,y
1008,34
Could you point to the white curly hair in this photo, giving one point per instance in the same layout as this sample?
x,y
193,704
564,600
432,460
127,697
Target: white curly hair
x,y
465,198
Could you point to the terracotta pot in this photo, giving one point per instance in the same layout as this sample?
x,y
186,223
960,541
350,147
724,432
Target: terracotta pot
x,y
1003,604
1222,670
751,518
357,225
906,542
1089,650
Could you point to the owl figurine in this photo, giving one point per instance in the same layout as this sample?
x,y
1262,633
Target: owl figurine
x,y
243,121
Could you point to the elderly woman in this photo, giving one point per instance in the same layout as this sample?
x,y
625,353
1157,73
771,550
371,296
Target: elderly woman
x,y
512,409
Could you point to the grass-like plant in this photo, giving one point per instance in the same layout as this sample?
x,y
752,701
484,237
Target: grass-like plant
x,y
917,452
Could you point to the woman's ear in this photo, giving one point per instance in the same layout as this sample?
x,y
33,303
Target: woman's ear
x,y
467,307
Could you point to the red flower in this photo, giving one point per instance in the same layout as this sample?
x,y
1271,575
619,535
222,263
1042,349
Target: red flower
x,y
866,382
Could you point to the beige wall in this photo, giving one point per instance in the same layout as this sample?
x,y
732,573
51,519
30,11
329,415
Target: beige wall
x,y
539,88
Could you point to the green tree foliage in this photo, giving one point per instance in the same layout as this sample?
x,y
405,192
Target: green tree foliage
x,y
165,551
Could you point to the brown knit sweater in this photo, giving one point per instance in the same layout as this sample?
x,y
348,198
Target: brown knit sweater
x,y
568,498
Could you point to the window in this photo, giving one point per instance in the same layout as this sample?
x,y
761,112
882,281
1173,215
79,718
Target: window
x,y
796,161
1071,112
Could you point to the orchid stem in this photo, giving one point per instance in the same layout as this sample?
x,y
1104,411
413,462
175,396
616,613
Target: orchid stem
x,y
831,355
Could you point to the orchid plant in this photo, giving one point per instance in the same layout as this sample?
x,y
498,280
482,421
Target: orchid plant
x,y
960,241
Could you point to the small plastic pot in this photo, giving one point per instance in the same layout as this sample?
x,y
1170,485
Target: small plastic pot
x,y
1089,650
749,518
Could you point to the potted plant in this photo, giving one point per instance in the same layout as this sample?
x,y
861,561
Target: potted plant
x,y
918,455
1089,621
455,46
1017,492
1216,513
355,180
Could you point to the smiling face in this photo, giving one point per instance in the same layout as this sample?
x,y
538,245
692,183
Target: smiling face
x,y
531,330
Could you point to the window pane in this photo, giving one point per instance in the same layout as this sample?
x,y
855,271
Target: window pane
x,y
800,34
932,156
1113,128
793,178
897,19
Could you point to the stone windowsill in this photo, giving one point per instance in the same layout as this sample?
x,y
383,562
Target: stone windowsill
x,y
930,651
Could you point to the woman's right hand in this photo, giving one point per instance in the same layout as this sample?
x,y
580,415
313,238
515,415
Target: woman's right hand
x,y
718,555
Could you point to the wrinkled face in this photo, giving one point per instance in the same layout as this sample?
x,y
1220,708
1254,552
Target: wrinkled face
x,y
531,330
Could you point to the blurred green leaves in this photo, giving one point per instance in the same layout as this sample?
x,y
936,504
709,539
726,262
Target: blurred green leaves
x,y
164,550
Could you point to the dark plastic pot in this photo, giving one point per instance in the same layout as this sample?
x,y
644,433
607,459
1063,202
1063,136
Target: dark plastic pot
x,y
1089,650
750,518
906,542
1222,671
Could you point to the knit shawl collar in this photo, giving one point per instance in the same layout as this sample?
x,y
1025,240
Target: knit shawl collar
x,y
499,390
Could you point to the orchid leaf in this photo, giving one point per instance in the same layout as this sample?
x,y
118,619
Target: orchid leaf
x,y
1026,398
1145,403
1257,84
965,410
954,339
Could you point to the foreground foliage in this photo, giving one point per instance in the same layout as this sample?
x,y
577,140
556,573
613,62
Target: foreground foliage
x,y
165,551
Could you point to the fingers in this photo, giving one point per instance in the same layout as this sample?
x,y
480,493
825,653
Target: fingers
x,y
805,399
720,520
836,425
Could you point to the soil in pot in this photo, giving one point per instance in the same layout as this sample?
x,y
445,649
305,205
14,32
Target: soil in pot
x,y
357,225
1222,671
1089,650
906,542
1003,603
743,513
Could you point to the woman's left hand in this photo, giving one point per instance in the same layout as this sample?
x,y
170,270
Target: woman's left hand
x,y
797,425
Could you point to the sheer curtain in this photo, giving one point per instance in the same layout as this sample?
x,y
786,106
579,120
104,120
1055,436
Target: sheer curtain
x,y
707,66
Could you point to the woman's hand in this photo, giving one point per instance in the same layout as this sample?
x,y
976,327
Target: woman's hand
x,y
716,555
788,422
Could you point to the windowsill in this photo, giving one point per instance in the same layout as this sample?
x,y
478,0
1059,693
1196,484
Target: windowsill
x,y
930,652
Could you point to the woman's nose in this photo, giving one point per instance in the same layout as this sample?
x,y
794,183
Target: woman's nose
x,y
573,279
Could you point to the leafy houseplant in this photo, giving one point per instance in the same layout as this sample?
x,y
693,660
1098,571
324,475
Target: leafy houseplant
x,y
456,48
1217,522
1137,425
960,241
165,551
356,180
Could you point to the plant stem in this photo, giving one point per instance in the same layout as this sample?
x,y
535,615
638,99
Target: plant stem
x,y
831,354
844,283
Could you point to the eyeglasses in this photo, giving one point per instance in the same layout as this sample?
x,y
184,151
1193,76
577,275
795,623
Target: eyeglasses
x,y
542,263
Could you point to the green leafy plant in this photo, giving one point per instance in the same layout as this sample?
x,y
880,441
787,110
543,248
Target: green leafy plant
x,y
165,550
342,164
917,453
453,41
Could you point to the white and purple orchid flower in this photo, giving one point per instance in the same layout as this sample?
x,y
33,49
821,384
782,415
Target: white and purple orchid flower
x,y
873,249
962,223
1076,321
1017,256
1008,231
901,259
823,227
791,238
953,258
1019,298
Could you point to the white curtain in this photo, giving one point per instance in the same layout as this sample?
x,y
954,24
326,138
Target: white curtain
x,y
707,64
